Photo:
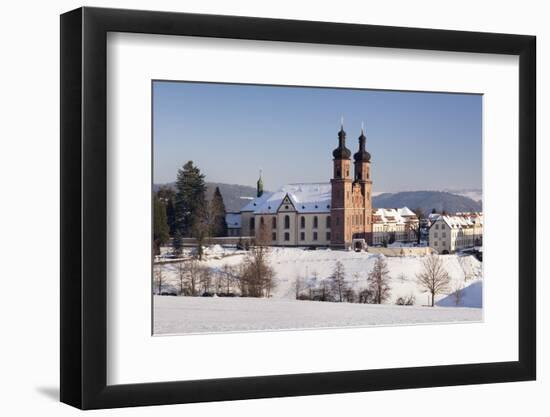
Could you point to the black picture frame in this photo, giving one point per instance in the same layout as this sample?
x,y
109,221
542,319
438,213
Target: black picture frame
x,y
84,207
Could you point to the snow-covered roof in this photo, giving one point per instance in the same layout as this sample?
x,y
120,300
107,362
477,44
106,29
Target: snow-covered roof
x,y
233,220
433,216
399,216
457,222
306,198
405,211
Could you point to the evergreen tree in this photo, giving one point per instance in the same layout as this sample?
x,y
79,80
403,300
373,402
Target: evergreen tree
x,y
190,198
177,243
160,225
218,225
167,195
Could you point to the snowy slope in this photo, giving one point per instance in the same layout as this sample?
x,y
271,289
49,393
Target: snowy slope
x,y
471,297
175,315
291,263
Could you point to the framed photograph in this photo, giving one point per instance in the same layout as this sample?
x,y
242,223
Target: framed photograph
x,y
258,208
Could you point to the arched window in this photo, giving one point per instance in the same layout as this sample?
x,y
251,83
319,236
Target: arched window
x,y
261,221
274,223
328,222
302,222
315,222
252,223
287,222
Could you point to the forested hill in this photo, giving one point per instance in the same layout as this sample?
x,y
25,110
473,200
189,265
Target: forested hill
x,y
237,196
427,200
234,196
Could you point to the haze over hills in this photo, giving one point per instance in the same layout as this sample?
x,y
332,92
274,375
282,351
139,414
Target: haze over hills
x,y
236,196
427,200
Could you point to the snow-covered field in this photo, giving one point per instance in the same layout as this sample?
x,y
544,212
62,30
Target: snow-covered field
x,y
175,315
292,263
282,311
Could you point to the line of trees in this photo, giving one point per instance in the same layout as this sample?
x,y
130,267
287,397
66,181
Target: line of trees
x,y
253,277
433,279
186,212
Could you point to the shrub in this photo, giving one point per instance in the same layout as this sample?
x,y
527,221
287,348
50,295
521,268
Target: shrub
x,y
405,301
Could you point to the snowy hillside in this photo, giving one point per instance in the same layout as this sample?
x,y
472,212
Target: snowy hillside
x,y
292,263
183,314
470,296
175,315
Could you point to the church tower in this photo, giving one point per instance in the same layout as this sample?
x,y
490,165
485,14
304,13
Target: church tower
x,y
341,183
362,177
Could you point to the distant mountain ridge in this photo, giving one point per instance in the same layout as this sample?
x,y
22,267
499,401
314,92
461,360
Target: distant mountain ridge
x,y
236,197
427,201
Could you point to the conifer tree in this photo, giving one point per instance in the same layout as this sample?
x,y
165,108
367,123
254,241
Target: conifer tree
x,y
217,215
177,243
190,198
167,195
160,225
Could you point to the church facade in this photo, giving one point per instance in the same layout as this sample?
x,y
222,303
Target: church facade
x,y
337,214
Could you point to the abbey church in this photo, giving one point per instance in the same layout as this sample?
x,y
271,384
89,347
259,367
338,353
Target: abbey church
x,y
337,214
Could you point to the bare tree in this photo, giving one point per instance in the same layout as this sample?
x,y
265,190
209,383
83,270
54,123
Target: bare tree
x,y
193,268
433,278
365,296
159,278
257,277
325,290
230,277
312,283
200,228
181,271
263,236
350,296
416,227
379,280
205,279
298,286
338,281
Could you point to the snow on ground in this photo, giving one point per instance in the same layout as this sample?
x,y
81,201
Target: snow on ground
x,y
175,315
292,263
471,296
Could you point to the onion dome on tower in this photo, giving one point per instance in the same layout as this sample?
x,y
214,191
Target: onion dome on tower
x,y
362,155
341,152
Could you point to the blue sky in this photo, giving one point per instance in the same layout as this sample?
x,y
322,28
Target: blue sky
x,y
418,141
